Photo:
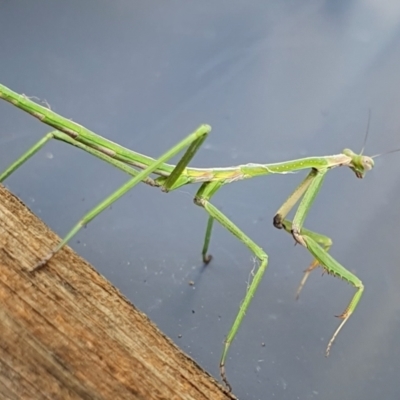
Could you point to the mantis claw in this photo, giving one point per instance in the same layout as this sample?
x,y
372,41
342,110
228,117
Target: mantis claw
x,y
224,378
207,258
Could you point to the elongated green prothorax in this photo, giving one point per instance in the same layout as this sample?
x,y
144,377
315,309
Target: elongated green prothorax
x,y
156,172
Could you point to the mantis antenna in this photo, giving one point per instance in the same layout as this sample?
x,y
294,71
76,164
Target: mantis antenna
x,y
366,138
367,131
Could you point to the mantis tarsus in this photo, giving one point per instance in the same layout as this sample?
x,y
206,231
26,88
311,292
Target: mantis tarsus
x,y
157,173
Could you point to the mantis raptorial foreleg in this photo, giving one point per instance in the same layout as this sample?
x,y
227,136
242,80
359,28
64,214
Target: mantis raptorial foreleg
x,y
309,188
336,269
324,241
281,222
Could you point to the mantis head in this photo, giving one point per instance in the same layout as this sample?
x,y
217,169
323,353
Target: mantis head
x,y
359,163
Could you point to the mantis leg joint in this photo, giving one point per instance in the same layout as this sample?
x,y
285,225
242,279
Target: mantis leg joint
x,y
199,201
298,237
277,221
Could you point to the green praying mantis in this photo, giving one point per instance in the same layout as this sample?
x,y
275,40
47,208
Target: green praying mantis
x,y
157,173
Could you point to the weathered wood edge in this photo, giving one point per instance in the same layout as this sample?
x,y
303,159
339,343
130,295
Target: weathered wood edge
x,y
67,333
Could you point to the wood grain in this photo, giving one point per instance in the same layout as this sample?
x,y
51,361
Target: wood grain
x,y
67,333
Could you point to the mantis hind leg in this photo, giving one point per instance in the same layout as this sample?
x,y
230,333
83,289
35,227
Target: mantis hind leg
x,y
67,139
191,142
202,199
324,241
26,156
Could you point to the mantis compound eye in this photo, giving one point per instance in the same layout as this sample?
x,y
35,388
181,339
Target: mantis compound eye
x,y
367,163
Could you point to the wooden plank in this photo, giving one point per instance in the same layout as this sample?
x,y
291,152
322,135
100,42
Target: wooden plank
x,y
67,333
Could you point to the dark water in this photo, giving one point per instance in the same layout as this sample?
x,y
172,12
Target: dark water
x,y
276,80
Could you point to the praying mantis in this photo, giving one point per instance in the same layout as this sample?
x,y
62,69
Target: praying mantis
x,y
157,173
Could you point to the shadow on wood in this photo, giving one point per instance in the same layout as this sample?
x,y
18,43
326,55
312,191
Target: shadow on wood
x,y
67,333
